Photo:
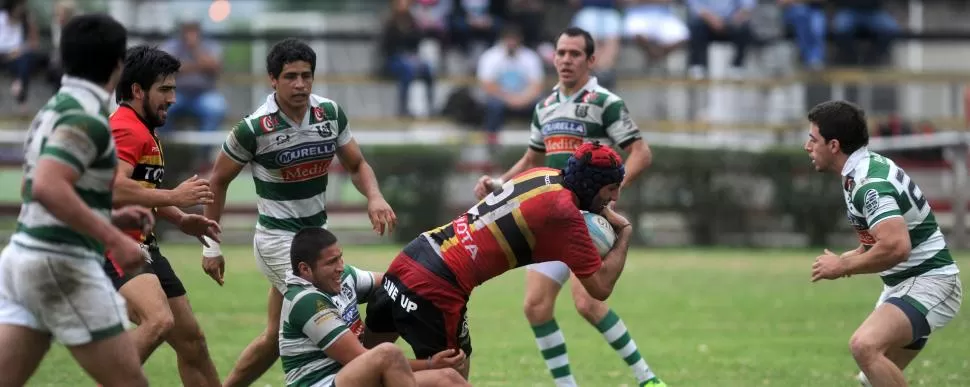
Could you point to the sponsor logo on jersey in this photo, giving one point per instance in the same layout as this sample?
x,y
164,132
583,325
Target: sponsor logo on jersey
x,y
562,144
268,123
318,113
570,127
849,184
582,110
283,139
463,232
351,317
859,224
324,129
314,151
871,202
305,171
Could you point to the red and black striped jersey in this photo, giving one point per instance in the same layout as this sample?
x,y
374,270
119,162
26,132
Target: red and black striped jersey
x,y
533,219
137,145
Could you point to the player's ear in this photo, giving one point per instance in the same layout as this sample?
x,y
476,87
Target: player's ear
x,y
137,91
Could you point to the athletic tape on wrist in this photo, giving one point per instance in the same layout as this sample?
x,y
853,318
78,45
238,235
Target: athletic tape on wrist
x,y
213,250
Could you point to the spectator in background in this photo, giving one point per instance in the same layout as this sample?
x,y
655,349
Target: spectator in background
x,y
474,27
528,15
399,44
655,28
807,20
710,20
511,76
196,93
604,22
64,10
19,40
854,16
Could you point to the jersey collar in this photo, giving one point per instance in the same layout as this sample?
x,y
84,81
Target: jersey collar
x,y
292,279
590,85
99,92
273,108
854,159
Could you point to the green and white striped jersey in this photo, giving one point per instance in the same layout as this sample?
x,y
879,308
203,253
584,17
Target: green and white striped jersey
x,y
72,128
876,189
290,161
560,124
312,320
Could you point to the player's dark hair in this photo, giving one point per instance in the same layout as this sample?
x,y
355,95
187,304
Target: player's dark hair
x,y
587,38
144,66
307,245
289,50
842,121
92,46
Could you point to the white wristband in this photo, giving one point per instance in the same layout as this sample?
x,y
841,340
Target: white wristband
x,y
213,250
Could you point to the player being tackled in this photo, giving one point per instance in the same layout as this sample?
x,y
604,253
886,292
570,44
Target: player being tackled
x,y
535,218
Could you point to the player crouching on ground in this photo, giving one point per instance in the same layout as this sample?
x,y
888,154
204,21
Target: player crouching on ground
x,y
320,309
535,218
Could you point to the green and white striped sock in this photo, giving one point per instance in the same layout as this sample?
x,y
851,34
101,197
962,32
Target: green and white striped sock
x,y
619,338
552,344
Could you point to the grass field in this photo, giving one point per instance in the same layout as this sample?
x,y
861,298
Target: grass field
x,y
701,318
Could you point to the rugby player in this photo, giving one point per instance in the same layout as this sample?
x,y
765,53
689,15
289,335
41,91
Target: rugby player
x,y
535,218
290,142
577,110
899,239
51,281
328,352
155,296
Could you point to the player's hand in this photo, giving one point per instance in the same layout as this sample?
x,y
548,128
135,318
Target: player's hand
x,y
449,358
483,187
827,266
215,267
133,218
127,253
199,227
193,191
616,220
381,215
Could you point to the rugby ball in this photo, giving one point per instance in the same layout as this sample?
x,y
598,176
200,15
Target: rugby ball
x,y
600,231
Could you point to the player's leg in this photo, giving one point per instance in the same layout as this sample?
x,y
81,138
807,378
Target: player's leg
x,y
887,327
23,349
609,324
23,338
263,351
84,311
443,377
185,337
385,365
272,253
192,351
543,281
148,308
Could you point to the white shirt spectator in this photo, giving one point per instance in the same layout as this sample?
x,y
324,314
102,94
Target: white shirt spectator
x,y
512,73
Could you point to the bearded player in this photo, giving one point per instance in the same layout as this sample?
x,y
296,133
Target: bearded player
x,y
155,295
535,218
289,142
899,239
577,110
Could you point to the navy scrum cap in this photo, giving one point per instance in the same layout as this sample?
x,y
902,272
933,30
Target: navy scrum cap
x,y
590,168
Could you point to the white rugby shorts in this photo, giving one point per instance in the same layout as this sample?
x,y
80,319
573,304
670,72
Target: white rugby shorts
x,y
69,297
555,270
938,297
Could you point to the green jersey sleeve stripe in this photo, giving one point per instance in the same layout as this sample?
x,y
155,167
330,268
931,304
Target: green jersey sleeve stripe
x,y
883,216
306,307
332,337
95,128
233,156
63,157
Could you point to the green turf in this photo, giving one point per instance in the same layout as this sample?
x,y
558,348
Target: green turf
x,y
701,317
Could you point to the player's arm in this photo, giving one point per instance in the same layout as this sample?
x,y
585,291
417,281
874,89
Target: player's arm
x,y
597,276
68,152
877,201
381,215
330,333
237,151
626,134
